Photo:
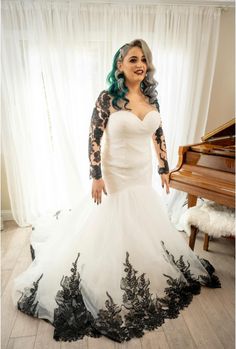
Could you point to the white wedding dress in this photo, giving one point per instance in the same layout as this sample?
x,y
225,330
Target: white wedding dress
x,y
119,268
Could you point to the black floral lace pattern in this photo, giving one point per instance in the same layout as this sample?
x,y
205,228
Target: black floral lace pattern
x,y
32,252
139,311
27,303
142,310
98,124
160,146
210,280
71,318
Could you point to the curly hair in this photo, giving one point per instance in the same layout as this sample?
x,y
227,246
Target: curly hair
x,y
116,79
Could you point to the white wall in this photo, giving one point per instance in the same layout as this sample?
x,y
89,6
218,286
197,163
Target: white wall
x,y
222,104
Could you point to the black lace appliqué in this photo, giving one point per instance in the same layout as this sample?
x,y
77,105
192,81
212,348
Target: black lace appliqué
x,y
160,145
32,252
209,280
212,281
98,123
27,303
140,310
72,320
144,311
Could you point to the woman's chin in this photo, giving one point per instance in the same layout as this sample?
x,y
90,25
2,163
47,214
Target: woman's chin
x,y
137,79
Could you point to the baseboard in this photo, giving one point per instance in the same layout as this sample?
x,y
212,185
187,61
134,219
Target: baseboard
x,y
6,215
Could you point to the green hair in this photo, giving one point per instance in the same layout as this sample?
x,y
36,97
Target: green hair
x,y
116,79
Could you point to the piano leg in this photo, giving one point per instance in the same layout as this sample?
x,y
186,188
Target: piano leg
x,y
206,242
192,237
192,200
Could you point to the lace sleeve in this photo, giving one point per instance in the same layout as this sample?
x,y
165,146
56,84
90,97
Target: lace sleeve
x,y
160,147
98,124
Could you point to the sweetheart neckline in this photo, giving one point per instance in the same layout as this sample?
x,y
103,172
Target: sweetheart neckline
x,y
136,116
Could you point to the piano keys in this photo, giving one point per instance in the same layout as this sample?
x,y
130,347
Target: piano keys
x,y
207,169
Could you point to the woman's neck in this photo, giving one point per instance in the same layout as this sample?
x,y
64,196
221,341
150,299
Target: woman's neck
x,y
134,89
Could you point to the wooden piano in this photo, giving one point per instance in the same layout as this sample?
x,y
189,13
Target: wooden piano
x,y
207,170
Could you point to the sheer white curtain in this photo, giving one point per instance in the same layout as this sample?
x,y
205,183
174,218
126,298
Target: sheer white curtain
x,y
55,59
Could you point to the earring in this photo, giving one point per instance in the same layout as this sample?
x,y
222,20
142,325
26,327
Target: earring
x,y
147,76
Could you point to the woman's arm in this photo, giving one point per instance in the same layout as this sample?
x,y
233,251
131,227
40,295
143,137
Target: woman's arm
x,y
160,147
98,124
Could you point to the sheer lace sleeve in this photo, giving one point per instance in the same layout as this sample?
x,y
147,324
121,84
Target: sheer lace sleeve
x,y
160,147
98,124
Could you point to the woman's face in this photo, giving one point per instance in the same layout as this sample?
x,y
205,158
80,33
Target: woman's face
x,y
134,65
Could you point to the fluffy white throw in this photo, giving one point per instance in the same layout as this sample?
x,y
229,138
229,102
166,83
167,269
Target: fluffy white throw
x,y
211,218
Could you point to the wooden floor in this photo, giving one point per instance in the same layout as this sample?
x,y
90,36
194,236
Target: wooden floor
x,y
207,323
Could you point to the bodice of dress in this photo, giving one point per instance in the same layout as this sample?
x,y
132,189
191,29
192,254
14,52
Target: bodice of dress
x,y
126,154
127,138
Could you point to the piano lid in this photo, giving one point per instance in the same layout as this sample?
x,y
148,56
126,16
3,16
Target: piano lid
x,y
227,129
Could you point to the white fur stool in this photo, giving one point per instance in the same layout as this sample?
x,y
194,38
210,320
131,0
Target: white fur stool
x,y
211,219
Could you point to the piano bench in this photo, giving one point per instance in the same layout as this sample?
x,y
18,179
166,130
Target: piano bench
x,y
207,238
210,218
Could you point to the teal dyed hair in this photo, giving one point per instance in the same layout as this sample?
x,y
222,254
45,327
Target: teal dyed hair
x,y
116,79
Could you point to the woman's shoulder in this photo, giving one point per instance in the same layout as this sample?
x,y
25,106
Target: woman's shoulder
x,y
104,101
105,94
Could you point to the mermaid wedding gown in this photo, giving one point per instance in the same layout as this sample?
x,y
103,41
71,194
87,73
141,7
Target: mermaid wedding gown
x,y
119,268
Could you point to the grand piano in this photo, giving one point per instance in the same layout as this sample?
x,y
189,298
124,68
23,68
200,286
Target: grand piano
x,y
207,170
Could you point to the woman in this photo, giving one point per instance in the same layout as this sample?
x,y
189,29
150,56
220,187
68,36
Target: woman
x,y
133,86
131,269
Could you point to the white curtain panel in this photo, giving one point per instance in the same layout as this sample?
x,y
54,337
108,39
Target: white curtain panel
x,y
55,59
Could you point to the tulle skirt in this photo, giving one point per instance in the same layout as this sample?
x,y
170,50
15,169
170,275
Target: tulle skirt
x,y
117,269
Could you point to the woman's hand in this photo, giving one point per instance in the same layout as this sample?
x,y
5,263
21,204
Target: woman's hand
x,y
97,187
165,181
